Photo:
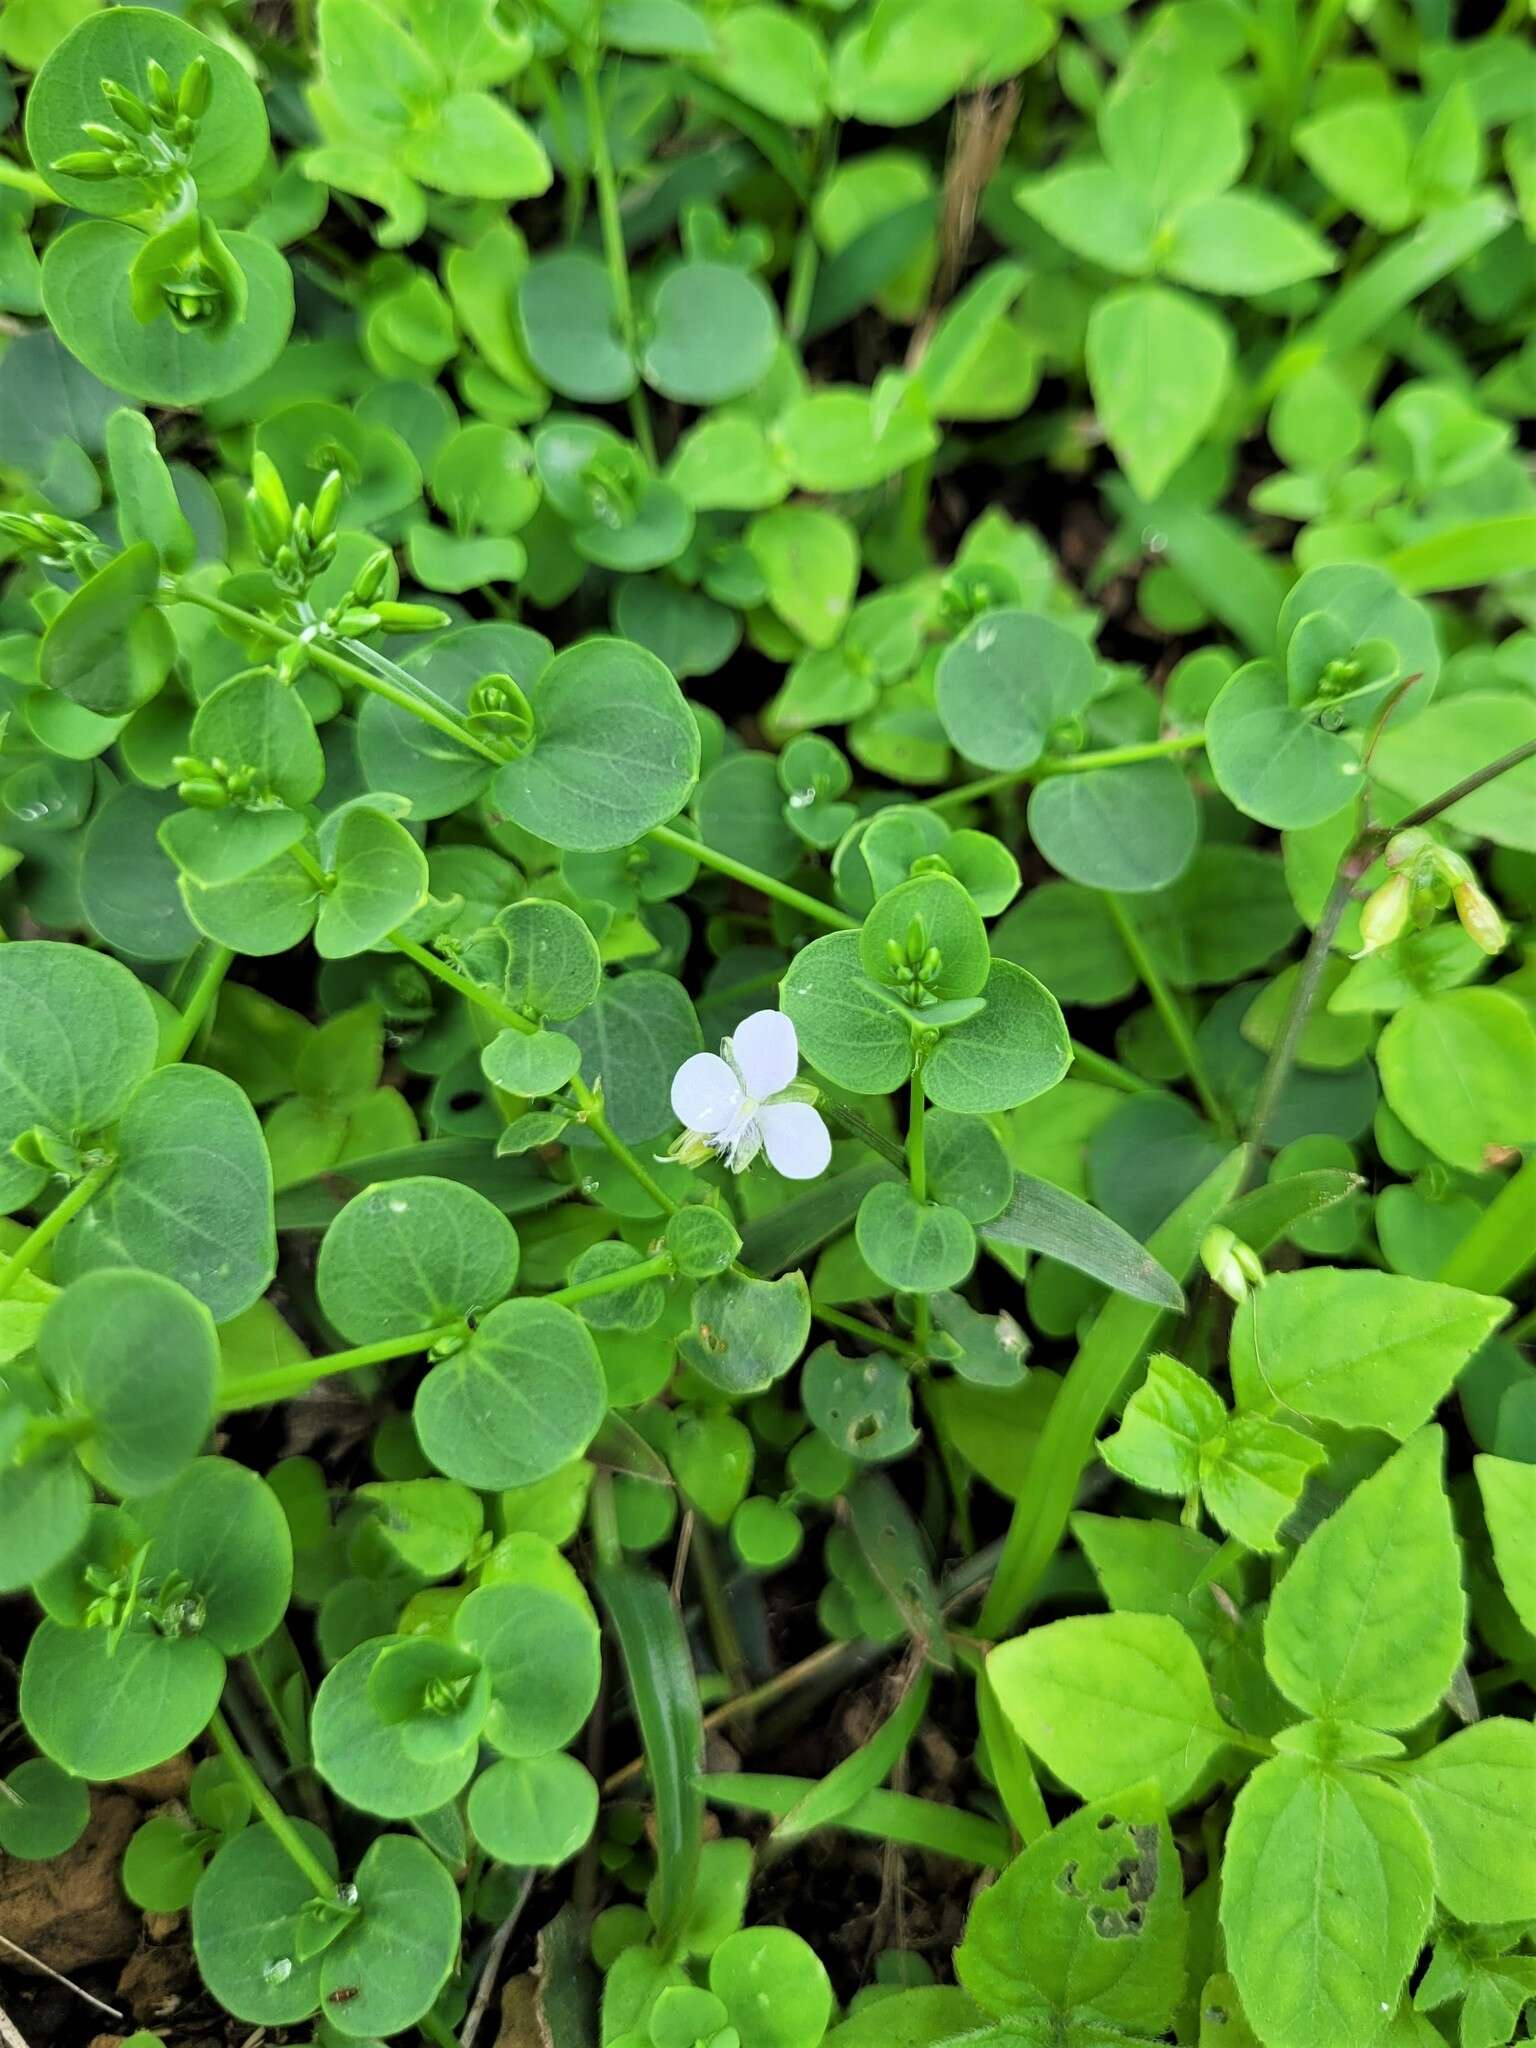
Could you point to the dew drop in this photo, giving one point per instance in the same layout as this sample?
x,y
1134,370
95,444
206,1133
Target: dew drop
x,y
278,1971
802,799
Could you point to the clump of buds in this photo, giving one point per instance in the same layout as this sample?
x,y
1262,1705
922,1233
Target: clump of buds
x,y
1235,1267
915,965
158,127
1423,877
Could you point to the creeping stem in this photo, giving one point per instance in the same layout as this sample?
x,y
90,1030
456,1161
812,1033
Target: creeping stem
x,y
1168,1007
615,254
299,1851
917,1174
339,665
41,1235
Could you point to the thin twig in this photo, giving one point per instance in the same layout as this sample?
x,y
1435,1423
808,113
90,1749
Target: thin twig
x,y
493,1961
1469,785
69,1984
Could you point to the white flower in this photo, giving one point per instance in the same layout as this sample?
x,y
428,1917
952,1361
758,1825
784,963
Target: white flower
x,y
745,1101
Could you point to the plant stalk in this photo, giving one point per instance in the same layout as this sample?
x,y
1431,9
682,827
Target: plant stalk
x,y
42,1234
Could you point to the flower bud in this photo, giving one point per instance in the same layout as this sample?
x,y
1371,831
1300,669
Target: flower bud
x,y
1385,915
127,106
85,163
1403,848
410,618
98,131
192,95
1234,1266
270,493
1479,919
373,575
327,504
160,90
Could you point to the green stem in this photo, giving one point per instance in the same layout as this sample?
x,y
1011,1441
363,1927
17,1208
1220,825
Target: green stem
x,y
917,1173
183,592
659,1268
754,878
1074,764
41,1235
260,1389
1282,1054
882,1339
806,260
615,253
1096,1067
603,1520
299,1851
210,979
591,1108
1168,1007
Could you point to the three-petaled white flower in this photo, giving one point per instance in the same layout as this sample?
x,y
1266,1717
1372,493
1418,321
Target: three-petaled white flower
x,y
745,1101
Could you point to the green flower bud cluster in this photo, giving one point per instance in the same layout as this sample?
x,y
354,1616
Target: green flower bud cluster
x,y
214,785
915,965
57,543
157,132
1424,878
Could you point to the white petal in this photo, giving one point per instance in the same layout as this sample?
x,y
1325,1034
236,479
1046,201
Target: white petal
x,y
705,1093
796,1140
767,1052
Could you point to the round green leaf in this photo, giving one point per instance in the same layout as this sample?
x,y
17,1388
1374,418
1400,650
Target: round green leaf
x,y
191,1197
522,1398
46,1814
111,648
416,761
105,1707
1129,829
930,915
862,1405
596,702
257,723
396,1956
140,1357
1275,763
1008,679
220,1527
365,1759
80,1036
533,1814
544,1658
247,1915
775,1990
713,334
128,884
541,959
231,140
412,1254
571,328
847,1030
1457,1068
916,1246
536,1063
634,1038
1014,1050
86,297
746,1333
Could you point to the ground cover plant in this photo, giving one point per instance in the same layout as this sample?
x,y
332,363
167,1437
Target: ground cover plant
x,y
767,799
